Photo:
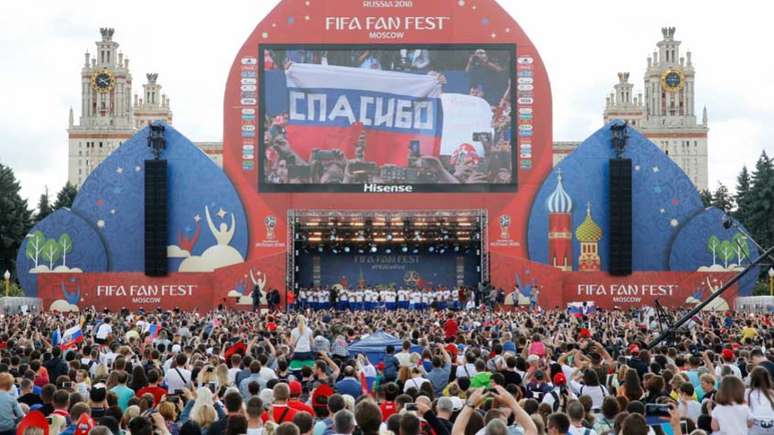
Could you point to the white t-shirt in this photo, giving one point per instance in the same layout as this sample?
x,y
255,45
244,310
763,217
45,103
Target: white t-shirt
x,y
103,331
690,409
177,381
760,407
467,370
574,430
414,383
303,341
732,419
597,393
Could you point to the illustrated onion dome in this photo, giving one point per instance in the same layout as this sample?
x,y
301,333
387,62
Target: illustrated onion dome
x,y
588,231
559,201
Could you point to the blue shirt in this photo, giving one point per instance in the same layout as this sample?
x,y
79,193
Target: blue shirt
x,y
10,411
439,377
124,394
349,385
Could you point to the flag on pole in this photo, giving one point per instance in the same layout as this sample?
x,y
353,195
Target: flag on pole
x,y
72,337
153,330
56,337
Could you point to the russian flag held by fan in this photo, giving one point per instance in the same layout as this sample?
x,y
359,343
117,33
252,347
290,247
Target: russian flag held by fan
x,y
329,106
71,337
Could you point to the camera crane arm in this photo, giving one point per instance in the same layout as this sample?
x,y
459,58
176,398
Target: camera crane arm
x,y
712,297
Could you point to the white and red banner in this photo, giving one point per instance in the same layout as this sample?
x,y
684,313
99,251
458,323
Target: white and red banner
x,y
330,105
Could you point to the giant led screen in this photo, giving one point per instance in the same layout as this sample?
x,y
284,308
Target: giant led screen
x,y
401,118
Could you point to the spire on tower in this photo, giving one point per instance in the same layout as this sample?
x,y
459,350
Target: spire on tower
x,y
668,33
107,33
704,116
72,117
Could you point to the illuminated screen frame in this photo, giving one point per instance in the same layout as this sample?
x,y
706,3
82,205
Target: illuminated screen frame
x,y
266,187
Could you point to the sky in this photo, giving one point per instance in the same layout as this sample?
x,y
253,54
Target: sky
x,y
192,44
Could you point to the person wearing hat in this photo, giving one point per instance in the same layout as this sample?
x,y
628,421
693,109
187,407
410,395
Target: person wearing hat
x,y
296,389
728,359
559,394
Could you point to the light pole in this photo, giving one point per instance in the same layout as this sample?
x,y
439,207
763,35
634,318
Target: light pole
x,y
771,281
7,276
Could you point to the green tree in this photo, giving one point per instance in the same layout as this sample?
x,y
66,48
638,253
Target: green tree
x,y
51,252
760,213
66,243
742,196
713,245
15,219
35,244
706,197
44,208
742,247
727,252
722,198
65,197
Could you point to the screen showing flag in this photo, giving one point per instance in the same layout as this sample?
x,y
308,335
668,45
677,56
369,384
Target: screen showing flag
x,y
386,119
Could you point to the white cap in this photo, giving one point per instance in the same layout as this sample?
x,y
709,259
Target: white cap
x,y
176,348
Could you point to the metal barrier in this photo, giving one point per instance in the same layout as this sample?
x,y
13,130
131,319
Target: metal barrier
x,y
755,304
15,305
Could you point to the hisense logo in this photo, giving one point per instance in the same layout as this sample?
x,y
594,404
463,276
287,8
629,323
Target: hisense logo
x,y
382,188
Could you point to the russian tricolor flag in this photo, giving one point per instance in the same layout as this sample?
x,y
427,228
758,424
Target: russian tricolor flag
x,y
72,337
153,330
329,107
56,337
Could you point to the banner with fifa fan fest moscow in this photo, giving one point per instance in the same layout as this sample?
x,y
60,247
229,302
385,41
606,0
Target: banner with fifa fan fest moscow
x,y
329,107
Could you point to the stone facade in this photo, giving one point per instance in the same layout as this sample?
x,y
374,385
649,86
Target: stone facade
x,y
109,115
667,113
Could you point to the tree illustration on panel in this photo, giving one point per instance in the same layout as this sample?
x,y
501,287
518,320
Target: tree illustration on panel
x,y
742,248
727,252
35,246
66,244
713,245
51,252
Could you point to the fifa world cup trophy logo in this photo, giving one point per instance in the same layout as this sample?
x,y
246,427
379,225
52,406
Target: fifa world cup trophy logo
x,y
271,224
505,227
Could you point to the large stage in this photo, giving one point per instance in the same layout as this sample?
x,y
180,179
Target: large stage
x,y
408,145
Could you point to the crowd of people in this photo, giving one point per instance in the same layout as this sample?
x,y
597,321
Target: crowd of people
x,y
475,372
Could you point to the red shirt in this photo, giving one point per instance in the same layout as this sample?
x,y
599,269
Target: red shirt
x,y
300,406
450,328
277,411
156,391
388,409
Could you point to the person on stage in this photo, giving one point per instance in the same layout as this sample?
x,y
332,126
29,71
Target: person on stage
x,y
343,303
368,297
416,299
445,298
359,299
390,299
256,298
333,297
402,298
325,299
301,299
315,295
427,298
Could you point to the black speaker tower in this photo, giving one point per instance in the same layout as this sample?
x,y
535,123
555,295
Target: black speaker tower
x,y
156,206
620,240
